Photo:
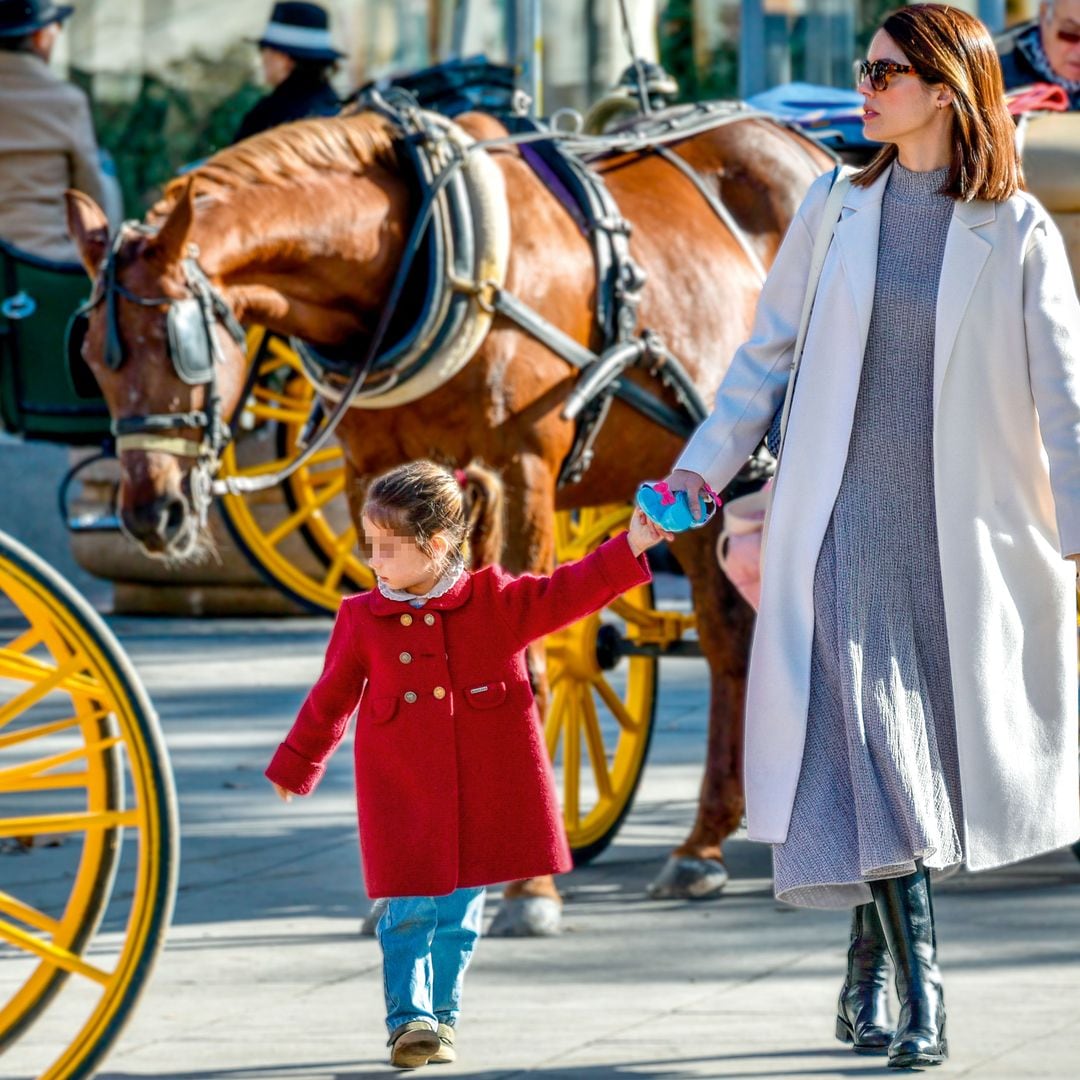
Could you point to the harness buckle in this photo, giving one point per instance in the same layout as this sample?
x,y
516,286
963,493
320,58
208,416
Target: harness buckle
x,y
485,292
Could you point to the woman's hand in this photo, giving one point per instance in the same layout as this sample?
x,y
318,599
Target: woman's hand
x,y
692,484
283,793
644,533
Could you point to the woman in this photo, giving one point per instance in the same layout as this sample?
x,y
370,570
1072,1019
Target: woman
x,y
297,60
912,694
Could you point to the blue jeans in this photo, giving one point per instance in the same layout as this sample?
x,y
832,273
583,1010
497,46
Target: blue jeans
x,y
427,943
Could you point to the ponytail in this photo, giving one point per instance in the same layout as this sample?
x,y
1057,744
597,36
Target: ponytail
x,y
482,496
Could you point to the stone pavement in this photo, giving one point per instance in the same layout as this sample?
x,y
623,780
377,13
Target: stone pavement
x,y
266,978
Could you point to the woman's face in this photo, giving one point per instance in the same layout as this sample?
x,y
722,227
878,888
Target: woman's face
x,y
276,66
907,110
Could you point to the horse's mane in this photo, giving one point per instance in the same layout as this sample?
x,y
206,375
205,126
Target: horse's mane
x,y
286,153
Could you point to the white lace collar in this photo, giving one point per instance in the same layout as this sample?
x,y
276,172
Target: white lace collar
x,y
443,585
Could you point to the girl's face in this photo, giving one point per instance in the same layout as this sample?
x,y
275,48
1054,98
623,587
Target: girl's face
x,y
907,110
398,560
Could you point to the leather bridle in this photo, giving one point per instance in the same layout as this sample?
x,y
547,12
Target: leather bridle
x,y
194,353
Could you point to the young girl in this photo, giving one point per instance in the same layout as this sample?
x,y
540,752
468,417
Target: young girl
x,y
454,788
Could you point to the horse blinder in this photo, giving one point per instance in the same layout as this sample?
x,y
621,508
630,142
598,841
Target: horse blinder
x,y
190,344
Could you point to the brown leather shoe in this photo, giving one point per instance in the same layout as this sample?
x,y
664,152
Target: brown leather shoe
x,y
446,1052
412,1045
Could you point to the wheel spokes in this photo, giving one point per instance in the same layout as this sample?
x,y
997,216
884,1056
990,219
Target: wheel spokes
x,y
341,559
571,730
80,821
612,700
297,518
85,793
41,731
310,511
594,740
29,916
53,954
14,775
612,716
59,676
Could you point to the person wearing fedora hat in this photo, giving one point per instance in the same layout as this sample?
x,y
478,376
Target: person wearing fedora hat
x,y
297,60
47,139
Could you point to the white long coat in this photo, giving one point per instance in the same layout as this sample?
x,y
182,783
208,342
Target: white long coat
x,y
1007,492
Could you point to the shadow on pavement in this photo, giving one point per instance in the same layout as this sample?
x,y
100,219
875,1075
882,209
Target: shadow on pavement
x,y
725,1066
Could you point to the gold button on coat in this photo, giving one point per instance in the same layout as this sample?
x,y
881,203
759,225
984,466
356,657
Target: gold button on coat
x,y
439,692
406,620
429,619
405,658
410,696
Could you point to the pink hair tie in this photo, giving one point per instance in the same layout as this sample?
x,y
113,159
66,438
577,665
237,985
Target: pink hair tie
x,y
461,478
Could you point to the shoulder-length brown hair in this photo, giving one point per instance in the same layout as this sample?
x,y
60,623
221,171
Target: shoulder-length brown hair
x,y
949,47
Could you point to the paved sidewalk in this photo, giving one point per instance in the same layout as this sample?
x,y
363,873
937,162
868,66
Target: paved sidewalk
x,y
265,977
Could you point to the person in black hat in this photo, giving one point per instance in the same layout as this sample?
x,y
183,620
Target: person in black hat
x,y
47,139
297,61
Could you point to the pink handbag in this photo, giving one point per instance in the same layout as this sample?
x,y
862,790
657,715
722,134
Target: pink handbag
x,y
739,547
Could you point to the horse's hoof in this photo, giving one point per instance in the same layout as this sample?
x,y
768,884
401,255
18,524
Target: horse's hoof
x,y
527,916
684,878
371,919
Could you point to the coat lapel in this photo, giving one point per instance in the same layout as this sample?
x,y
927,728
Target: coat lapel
x,y
965,254
856,239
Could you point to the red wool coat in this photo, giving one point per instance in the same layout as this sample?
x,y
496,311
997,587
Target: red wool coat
x,y
453,783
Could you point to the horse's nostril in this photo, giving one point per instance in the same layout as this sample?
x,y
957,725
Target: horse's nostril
x,y
172,519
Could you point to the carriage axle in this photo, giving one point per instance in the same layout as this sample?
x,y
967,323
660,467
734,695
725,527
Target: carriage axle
x,y
612,646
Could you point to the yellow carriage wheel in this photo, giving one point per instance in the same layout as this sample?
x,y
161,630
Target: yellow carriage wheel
x,y
304,543
88,829
602,673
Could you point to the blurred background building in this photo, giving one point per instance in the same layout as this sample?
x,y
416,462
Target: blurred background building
x,y
170,79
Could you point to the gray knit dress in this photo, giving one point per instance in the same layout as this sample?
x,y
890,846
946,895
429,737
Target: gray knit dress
x,y
880,782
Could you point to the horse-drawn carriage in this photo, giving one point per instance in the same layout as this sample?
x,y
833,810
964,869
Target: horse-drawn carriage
x,y
568,358
83,764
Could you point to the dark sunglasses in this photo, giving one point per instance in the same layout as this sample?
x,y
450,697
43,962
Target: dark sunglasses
x,y
879,72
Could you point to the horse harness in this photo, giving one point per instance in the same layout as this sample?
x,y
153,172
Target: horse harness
x,y
440,238
563,162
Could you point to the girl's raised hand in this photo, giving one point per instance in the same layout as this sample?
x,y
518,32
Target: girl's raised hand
x,y
283,793
644,533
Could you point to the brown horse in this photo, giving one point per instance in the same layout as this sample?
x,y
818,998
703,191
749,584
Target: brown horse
x,y
302,229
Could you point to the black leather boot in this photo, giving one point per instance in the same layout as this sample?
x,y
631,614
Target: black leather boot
x,y
907,917
862,1016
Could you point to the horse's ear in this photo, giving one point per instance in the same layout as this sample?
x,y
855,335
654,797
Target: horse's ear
x,y
170,244
88,227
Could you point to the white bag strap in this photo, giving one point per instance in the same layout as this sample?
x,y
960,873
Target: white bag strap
x,y
829,218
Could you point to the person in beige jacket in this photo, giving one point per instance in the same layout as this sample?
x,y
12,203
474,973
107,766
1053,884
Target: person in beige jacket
x,y
47,139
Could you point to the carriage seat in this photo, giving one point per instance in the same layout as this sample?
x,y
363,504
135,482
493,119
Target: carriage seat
x,y
44,394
